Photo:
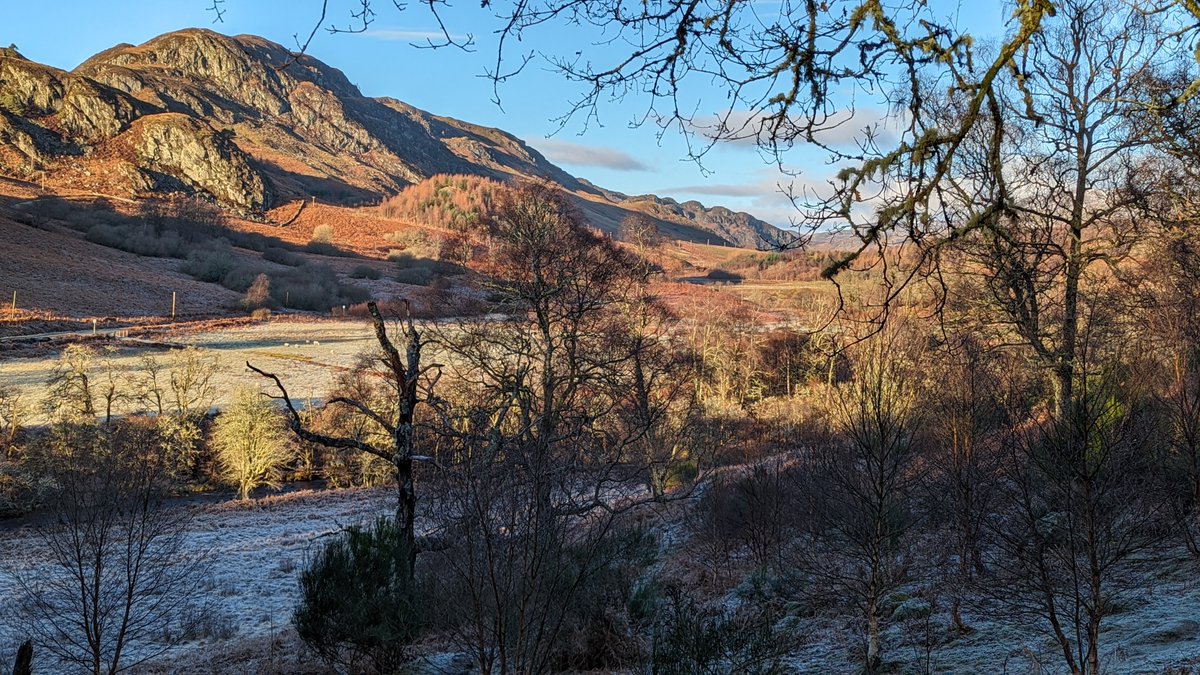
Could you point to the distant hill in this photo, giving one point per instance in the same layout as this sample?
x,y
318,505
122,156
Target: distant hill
x,y
252,125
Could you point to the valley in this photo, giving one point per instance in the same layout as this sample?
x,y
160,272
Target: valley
x,y
297,379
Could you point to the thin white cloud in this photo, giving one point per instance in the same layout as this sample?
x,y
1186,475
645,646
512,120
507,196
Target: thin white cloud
x,y
764,185
842,128
578,154
721,190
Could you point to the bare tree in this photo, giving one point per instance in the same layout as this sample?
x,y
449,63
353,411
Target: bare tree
x,y
71,396
250,443
11,414
1172,313
964,425
1071,193
258,295
1081,516
541,468
859,488
658,415
180,393
120,573
395,441
641,232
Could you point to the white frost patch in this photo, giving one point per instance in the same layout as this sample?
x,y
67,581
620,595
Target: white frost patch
x,y
256,552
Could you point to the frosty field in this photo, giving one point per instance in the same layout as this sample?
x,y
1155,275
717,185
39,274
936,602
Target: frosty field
x,y
254,551
306,355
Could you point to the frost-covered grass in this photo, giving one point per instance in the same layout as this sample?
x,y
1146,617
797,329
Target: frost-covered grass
x,y
307,356
255,551
1157,633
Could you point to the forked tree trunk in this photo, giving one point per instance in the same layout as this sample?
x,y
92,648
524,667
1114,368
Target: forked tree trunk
x,y
404,372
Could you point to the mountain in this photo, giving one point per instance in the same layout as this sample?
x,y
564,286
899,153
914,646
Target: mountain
x,y
253,125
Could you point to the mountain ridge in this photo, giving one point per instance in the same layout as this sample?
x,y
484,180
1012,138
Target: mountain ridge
x,y
252,125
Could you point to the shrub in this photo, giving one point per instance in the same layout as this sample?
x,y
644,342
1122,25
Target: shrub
x,y
241,277
724,275
282,256
749,511
415,240
321,249
456,247
421,271
322,234
417,276
322,242
365,272
209,264
308,287
596,629
314,288
17,490
687,640
358,606
137,239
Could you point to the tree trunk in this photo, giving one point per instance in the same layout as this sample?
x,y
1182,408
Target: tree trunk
x,y
406,507
874,657
956,616
24,664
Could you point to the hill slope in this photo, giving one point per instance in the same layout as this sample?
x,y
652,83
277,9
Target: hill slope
x,y
252,125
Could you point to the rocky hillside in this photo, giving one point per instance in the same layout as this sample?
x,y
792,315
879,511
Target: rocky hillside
x,y
251,125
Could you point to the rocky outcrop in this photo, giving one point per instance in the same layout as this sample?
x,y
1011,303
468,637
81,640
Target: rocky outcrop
x,y
242,119
92,112
200,157
14,136
29,89
319,116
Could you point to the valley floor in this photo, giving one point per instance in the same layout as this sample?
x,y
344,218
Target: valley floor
x,y
307,355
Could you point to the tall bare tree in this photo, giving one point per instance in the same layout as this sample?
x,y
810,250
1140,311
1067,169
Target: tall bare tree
x,y
1081,515
1053,187
1171,312
180,392
860,493
540,467
392,416
964,425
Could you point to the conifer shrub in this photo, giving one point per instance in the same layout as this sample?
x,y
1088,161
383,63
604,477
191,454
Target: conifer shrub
x,y
359,608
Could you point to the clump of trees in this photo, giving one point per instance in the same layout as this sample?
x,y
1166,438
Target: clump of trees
x,y
453,202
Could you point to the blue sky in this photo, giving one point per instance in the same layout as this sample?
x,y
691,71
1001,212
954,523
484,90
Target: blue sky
x,y
612,152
